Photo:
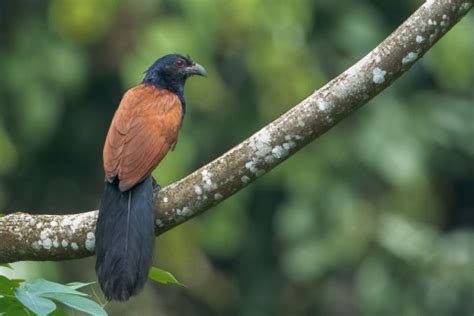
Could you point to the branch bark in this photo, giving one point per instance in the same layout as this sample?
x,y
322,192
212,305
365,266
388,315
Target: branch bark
x,y
59,237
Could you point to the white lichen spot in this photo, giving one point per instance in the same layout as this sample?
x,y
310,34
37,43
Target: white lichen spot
x,y
419,39
378,59
74,246
251,166
186,211
465,6
197,190
409,58
209,186
64,243
44,234
159,223
269,159
260,143
300,123
322,105
289,145
90,241
279,152
75,223
39,225
218,196
245,179
165,199
378,75
47,243
207,181
55,243
36,245
53,224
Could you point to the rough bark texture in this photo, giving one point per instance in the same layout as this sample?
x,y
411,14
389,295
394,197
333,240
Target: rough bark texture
x,y
60,237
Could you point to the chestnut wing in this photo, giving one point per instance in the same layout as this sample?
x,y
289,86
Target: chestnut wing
x,y
144,128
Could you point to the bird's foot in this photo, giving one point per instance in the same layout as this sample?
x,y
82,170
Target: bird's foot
x,y
156,185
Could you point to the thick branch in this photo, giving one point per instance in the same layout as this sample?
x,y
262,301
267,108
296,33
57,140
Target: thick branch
x,y
59,237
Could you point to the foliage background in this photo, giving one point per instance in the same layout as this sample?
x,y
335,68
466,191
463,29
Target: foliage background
x,y
376,217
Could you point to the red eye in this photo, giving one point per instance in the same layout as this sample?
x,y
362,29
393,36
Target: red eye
x,y
180,63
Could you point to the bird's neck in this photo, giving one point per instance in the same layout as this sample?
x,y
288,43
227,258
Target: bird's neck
x,y
170,85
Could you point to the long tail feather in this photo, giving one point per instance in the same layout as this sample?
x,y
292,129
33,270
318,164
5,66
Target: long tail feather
x,y
124,239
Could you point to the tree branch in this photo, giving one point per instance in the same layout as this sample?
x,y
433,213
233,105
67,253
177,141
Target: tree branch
x,y
60,237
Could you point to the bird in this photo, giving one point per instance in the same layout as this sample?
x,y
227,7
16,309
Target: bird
x,y
144,128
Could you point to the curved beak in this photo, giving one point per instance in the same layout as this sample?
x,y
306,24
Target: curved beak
x,y
196,69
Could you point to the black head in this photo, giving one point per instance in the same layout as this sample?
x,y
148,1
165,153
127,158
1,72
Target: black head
x,y
171,71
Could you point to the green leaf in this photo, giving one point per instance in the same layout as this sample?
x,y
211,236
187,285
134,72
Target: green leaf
x,y
12,307
7,303
78,285
78,302
163,276
16,310
36,296
4,302
39,305
41,286
7,285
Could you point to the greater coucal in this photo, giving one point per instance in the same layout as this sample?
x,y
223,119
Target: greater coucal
x,y
144,128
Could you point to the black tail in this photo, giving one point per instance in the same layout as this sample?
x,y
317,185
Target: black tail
x,y
124,239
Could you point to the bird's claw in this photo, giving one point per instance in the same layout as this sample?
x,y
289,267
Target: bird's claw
x,y
156,185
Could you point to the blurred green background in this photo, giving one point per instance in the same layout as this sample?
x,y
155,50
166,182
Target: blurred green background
x,y
374,218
